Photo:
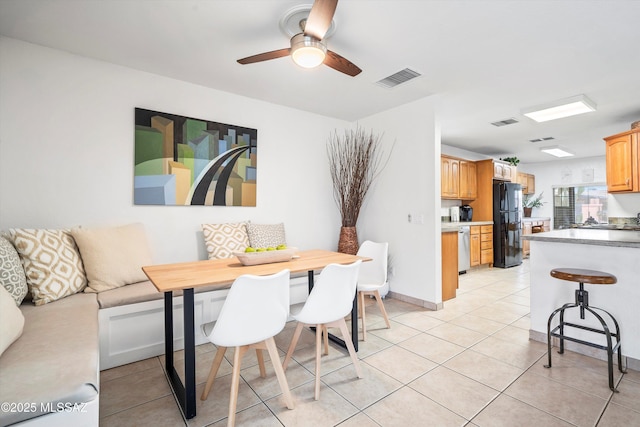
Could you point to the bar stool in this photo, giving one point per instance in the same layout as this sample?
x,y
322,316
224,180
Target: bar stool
x,y
582,302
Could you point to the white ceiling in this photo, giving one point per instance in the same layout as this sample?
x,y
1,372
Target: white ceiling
x,y
483,60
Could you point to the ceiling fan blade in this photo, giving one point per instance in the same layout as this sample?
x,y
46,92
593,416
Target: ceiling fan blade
x,y
320,17
341,64
265,56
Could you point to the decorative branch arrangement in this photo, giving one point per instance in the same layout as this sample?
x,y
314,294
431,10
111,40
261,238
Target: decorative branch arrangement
x,y
355,160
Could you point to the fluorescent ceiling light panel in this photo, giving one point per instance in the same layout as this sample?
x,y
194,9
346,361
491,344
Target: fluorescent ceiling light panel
x,y
557,151
563,108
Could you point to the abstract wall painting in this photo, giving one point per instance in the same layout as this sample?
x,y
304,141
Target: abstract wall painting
x,y
186,161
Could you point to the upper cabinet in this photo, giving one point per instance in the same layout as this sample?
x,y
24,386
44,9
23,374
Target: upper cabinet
x,y
457,179
468,180
449,177
503,171
623,162
528,182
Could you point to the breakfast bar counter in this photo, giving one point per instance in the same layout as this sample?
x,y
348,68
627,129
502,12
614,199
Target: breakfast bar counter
x,y
612,251
616,238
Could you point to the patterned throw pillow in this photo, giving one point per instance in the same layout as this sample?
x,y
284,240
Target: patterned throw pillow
x,y
51,263
266,235
12,276
223,240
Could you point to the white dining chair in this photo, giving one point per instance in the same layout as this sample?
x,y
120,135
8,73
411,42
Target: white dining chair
x,y
330,300
372,278
255,310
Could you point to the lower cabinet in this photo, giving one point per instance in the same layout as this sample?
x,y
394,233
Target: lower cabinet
x,y
530,227
486,244
474,246
481,244
449,265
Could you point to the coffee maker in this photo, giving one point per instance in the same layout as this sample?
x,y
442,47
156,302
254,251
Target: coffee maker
x,y
466,213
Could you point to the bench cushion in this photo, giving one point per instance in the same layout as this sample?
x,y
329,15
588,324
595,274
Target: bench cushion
x,y
35,368
138,292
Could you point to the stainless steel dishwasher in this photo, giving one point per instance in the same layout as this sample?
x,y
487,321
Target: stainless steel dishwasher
x,y
464,249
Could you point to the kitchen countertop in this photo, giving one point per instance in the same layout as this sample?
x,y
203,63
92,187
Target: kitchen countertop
x,y
454,226
535,218
617,238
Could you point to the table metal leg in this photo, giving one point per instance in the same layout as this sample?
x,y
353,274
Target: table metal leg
x,y
185,394
354,320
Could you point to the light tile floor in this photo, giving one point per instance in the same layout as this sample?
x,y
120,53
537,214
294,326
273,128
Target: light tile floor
x,y
471,364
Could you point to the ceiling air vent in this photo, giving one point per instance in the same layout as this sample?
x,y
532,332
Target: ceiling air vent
x,y
505,122
546,138
400,77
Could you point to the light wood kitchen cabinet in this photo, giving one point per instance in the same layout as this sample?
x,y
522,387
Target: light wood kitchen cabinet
x,y
474,245
481,244
623,162
503,171
486,244
449,265
449,177
528,182
485,176
533,226
468,189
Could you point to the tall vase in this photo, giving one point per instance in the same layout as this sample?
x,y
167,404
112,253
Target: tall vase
x,y
348,242
527,212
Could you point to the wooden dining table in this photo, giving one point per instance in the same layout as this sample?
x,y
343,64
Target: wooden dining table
x,y
187,276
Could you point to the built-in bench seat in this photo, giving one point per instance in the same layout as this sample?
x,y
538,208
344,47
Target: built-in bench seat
x,y
56,337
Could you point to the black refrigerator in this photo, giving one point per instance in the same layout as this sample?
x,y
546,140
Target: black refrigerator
x,y
507,225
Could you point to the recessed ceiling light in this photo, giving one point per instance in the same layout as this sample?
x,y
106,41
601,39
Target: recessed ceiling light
x,y
557,151
559,109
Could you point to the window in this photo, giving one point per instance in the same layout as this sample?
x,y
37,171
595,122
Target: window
x,y
579,205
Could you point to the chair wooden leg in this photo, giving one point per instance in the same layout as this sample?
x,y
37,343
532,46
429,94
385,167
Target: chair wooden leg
x,y
292,346
352,351
325,335
277,367
260,357
235,383
213,372
318,351
376,294
364,320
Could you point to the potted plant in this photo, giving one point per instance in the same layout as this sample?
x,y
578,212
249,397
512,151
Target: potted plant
x,y
355,160
529,202
513,161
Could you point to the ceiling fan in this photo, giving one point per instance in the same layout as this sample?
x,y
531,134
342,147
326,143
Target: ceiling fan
x,y
308,48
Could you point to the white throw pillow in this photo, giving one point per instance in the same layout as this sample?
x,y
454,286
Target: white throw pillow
x,y
11,320
113,256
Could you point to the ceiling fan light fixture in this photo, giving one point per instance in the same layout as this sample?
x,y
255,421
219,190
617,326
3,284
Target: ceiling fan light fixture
x,y
307,51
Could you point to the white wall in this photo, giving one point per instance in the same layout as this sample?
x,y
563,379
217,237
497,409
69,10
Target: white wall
x,y
577,172
66,152
408,186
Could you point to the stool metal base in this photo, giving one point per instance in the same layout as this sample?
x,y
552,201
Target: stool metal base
x,y
582,302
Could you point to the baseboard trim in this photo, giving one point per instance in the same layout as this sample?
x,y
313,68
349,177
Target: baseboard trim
x,y
416,301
